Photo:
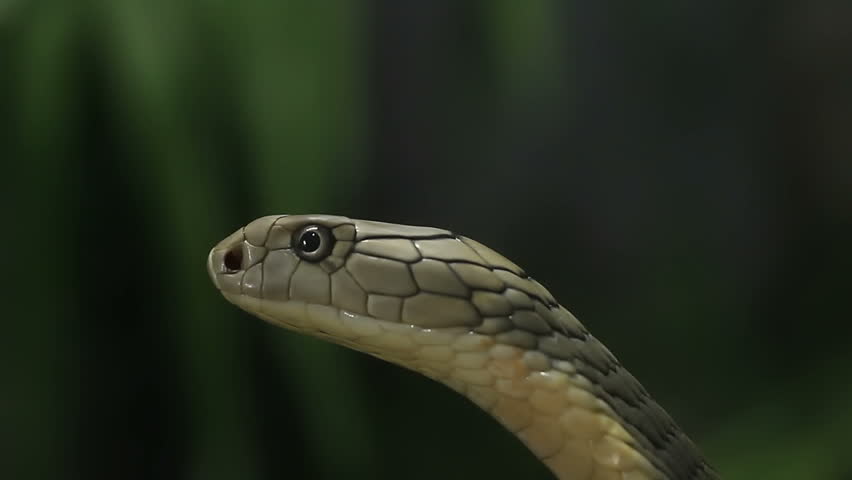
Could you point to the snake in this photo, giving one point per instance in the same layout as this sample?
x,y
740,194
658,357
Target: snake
x,y
458,312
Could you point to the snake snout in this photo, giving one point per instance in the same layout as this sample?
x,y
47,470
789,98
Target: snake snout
x,y
227,262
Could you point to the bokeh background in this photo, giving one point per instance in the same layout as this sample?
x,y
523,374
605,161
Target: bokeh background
x,y
678,173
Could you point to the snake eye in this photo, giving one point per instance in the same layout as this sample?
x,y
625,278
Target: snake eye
x,y
313,243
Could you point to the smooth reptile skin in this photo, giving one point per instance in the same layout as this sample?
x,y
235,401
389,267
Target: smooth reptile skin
x,y
458,312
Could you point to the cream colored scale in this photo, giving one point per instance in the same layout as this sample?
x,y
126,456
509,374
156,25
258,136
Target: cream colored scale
x,y
460,313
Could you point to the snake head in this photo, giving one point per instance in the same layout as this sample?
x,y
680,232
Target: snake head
x,y
348,280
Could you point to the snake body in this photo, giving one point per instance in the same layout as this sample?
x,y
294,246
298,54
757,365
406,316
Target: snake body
x,y
456,311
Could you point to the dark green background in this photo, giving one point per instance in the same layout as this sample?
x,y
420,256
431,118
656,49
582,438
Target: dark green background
x,y
679,174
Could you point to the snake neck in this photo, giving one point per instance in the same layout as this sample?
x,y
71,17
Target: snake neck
x,y
550,404
551,410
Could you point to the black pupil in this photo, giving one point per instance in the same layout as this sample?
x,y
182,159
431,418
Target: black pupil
x,y
310,241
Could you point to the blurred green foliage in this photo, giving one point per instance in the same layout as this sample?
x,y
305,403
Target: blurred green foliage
x,y
678,174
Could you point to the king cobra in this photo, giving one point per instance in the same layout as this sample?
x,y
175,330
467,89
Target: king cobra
x,y
456,311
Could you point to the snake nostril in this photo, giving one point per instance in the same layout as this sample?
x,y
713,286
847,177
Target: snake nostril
x,y
233,259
